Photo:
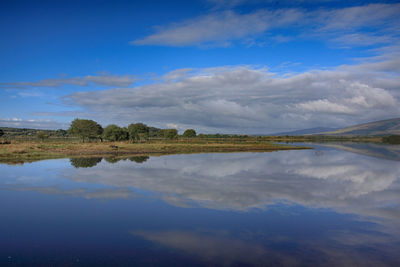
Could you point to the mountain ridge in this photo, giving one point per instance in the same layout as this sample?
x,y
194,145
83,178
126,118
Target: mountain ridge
x,y
375,128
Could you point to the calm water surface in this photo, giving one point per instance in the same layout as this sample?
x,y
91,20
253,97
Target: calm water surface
x,y
335,205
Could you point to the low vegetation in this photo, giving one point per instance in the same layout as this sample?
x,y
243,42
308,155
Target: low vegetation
x,y
88,138
27,151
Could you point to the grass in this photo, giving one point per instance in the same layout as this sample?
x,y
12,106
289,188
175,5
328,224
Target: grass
x,y
29,151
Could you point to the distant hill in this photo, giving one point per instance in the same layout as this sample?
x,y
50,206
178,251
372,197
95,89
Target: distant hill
x,y
376,128
306,131
13,132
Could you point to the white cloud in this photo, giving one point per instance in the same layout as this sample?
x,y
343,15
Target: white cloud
x,y
359,17
173,125
104,79
356,39
355,98
244,99
359,25
325,106
219,28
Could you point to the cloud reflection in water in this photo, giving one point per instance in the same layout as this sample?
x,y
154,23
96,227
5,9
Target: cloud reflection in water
x,y
339,180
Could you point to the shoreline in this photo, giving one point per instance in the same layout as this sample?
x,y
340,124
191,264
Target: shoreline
x,y
24,152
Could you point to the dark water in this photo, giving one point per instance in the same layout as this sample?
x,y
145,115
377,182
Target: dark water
x,y
318,207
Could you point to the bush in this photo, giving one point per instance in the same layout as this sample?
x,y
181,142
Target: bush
x,y
88,129
42,135
168,133
115,133
189,133
138,131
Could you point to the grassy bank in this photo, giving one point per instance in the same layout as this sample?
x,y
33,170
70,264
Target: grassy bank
x,y
28,151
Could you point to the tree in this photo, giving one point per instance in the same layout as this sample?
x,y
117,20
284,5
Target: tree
x,y
42,135
138,131
88,129
114,133
168,133
189,133
61,132
1,132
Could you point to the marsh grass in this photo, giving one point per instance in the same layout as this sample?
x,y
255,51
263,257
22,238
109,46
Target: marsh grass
x,y
27,151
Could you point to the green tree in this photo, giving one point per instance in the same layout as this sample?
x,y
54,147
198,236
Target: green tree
x,y
189,133
168,133
115,133
42,135
138,131
85,129
61,132
1,132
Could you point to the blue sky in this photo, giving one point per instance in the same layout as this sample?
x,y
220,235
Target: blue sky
x,y
216,66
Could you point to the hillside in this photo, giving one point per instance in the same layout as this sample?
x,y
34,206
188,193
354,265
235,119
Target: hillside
x,y
376,128
305,131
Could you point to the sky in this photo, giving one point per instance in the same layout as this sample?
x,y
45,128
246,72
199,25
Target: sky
x,y
245,67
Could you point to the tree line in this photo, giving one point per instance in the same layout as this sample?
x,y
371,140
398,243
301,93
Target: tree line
x,y
91,130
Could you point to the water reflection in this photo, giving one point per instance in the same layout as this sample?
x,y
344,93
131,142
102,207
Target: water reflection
x,y
221,249
107,193
343,181
87,162
307,207
218,249
383,151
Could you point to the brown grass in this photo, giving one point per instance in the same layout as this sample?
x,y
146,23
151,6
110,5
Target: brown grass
x,y
26,151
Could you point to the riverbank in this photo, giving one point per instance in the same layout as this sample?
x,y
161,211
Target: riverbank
x,y
20,152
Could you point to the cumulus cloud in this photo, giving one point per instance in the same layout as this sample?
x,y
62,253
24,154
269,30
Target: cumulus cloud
x,y
245,99
103,80
349,25
325,106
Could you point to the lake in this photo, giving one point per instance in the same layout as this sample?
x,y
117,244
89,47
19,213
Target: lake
x,y
335,205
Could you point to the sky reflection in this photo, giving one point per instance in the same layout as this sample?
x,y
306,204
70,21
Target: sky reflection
x,y
345,182
311,207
